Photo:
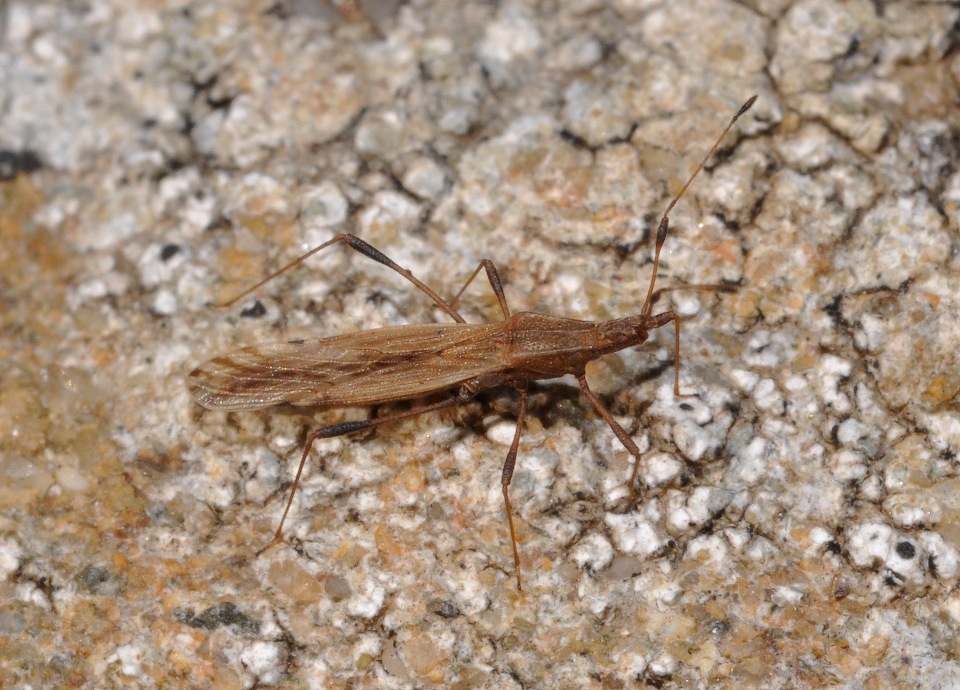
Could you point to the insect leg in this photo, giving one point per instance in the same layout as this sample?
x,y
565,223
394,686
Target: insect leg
x,y
668,316
618,430
493,275
507,475
368,251
658,320
349,428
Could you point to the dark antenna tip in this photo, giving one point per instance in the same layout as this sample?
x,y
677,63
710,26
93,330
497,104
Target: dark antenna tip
x,y
746,106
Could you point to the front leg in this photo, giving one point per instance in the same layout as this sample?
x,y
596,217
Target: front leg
x,y
658,320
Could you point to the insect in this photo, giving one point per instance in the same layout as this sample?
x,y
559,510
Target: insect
x,y
410,362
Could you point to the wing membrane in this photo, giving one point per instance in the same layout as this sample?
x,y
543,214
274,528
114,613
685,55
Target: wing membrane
x,y
354,369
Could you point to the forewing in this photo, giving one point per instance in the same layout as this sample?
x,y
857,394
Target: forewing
x,y
355,369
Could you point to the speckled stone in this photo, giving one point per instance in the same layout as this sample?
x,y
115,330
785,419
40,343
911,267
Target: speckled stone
x,y
795,520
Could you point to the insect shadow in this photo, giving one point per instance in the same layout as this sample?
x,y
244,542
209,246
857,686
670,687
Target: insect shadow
x,y
409,362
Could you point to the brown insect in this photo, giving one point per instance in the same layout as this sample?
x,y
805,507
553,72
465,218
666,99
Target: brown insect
x,y
408,362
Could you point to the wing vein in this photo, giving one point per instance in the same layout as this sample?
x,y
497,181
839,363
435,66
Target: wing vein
x,y
356,369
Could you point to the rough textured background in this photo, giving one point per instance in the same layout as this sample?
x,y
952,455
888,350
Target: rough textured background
x,y
799,523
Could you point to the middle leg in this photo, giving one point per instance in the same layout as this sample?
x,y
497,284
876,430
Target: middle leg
x,y
618,430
